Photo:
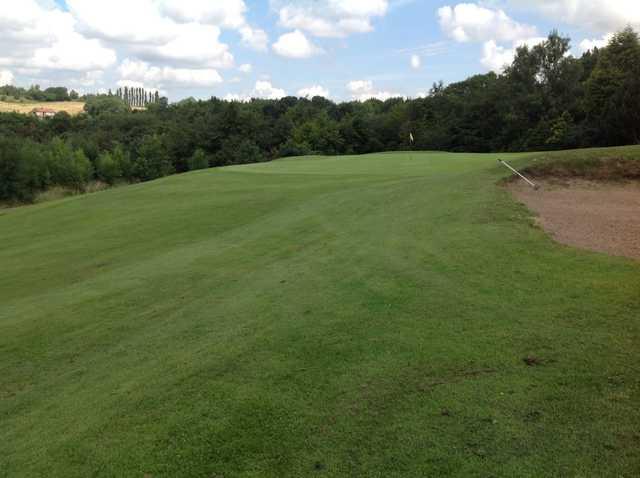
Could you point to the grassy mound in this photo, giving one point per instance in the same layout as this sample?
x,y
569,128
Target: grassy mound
x,y
383,315
613,164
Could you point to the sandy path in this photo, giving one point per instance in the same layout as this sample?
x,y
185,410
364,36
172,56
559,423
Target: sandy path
x,y
603,217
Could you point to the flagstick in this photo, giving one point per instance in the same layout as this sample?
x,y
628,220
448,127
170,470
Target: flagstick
x,y
411,142
530,183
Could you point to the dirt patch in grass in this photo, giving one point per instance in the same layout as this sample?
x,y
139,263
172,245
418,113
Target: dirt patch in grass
x,y
595,215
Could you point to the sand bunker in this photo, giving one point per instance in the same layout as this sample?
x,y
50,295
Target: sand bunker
x,y
598,216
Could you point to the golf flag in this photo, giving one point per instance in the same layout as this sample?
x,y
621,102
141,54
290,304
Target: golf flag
x,y
411,137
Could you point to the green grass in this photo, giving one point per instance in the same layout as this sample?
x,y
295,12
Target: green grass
x,y
355,316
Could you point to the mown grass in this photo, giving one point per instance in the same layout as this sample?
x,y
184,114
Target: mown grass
x,y
384,315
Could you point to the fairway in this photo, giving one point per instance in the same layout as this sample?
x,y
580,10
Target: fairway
x,y
388,315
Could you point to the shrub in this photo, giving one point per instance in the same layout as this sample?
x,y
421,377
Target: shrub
x,y
68,167
107,168
199,160
152,161
238,151
123,159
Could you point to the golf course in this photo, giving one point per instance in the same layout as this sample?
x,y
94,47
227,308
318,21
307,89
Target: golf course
x,y
383,315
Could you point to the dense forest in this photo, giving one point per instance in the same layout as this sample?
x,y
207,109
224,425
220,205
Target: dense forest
x,y
546,99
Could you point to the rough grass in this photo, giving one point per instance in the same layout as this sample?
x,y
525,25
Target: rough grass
x,y
382,315
614,164
71,107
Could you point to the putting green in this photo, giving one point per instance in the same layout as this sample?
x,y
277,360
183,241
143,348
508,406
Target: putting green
x,y
350,316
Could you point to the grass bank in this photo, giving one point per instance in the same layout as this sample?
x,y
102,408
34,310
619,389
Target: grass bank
x,y
611,164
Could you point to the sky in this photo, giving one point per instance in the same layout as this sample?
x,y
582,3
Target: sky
x,y
238,49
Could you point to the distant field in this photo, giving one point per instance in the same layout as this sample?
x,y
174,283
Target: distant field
x,y
71,107
390,315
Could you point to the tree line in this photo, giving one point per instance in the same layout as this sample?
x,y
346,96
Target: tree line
x,y
544,100
35,93
137,97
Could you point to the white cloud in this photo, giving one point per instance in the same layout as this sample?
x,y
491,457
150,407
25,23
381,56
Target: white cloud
x,y
263,89
313,91
296,45
470,22
143,72
254,38
590,44
245,68
496,57
179,41
227,13
601,16
38,37
363,90
71,51
6,78
125,21
195,45
89,79
330,18
185,31
416,62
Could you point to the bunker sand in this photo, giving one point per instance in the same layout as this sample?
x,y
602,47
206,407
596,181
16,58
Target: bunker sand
x,y
598,216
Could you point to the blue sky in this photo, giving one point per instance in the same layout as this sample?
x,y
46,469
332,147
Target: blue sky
x,y
346,49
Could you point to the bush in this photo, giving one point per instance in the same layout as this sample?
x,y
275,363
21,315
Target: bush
x,y
107,169
68,167
123,160
199,160
99,105
152,161
23,170
291,148
238,151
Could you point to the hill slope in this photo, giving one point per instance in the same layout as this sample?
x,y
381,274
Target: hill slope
x,y
71,107
384,315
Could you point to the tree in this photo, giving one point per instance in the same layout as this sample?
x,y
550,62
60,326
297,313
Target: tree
x,y
23,170
122,158
613,90
152,161
99,105
68,167
107,168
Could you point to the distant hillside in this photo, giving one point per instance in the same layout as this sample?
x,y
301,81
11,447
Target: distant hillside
x,y
71,107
